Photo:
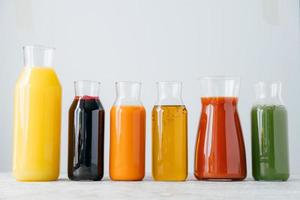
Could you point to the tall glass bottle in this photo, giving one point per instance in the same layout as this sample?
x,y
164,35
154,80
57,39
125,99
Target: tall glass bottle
x,y
270,157
86,133
127,133
220,150
169,134
37,118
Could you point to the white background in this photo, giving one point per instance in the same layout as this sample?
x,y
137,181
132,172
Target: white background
x,y
155,40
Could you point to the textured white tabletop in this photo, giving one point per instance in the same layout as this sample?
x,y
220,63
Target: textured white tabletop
x,y
147,189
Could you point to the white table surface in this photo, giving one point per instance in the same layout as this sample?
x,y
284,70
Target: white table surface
x,y
147,189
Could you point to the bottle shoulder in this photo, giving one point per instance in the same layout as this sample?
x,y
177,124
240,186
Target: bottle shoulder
x,y
38,77
169,108
116,108
86,104
268,108
128,102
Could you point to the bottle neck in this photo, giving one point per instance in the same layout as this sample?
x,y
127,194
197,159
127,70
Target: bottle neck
x,y
87,89
268,93
38,56
169,93
219,86
128,93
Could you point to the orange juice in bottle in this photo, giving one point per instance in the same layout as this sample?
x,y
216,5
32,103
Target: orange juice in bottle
x,y
127,134
37,118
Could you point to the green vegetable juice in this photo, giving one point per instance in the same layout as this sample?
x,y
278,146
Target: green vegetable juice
x,y
270,159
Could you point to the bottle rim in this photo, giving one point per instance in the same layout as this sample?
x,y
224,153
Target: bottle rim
x,y
128,82
87,81
267,82
221,77
38,46
169,82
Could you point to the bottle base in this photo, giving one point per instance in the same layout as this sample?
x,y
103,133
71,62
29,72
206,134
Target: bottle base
x,y
127,179
120,178
89,178
222,178
279,178
271,180
35,179
170,178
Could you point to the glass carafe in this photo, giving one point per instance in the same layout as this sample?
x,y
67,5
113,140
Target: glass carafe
x,y
37,118
220,150
86,133
270,157
169,134
127,133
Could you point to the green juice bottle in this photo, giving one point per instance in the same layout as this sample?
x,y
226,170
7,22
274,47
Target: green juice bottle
x,y
270,156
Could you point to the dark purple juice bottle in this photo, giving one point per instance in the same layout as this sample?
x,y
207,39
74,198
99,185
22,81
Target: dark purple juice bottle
x,y
86,133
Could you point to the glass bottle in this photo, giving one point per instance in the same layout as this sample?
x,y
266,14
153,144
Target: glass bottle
x,y
270,157
86,133
37,117
127,133
169,134
220,150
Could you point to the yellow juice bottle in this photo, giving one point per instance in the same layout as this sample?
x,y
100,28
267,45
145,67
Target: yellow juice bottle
x,y
169,134
37,118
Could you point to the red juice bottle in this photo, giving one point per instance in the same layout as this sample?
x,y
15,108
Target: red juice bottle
x,y
220,150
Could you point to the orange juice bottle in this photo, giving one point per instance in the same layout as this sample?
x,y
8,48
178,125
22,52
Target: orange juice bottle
x,y
127,134
37,115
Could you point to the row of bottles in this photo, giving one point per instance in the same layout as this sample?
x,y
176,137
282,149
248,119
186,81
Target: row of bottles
x,y
219,150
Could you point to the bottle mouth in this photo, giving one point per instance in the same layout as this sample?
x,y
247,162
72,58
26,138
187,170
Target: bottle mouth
x,y
40,47
169,82
236,78
87,82
268,83
128,83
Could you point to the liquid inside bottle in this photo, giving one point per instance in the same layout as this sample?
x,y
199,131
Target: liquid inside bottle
x,y
169,134
270,157
86,133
